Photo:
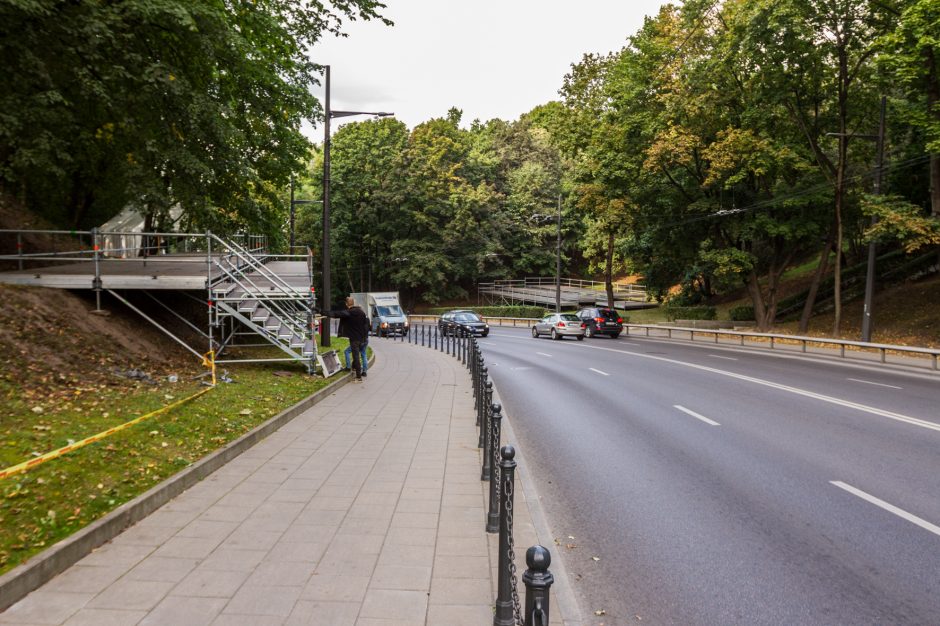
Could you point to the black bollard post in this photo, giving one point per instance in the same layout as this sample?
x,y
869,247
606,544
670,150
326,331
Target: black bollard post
x,y
484,409
492,518
538,581
435,337
506,569
488,442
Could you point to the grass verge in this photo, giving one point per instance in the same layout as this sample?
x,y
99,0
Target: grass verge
x,y
55,499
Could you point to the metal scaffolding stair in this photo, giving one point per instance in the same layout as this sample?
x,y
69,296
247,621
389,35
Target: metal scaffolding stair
x,y
251,296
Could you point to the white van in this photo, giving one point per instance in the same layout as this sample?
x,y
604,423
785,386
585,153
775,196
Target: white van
x,y
384,311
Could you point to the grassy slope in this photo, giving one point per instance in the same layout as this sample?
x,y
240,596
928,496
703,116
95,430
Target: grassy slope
x,y
59,383
906,314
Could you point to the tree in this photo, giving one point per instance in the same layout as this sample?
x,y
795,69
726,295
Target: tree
x,y
159,102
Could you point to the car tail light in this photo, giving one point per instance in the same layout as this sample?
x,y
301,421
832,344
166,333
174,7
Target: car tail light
x,y
583,325
599,320
620,320
560,324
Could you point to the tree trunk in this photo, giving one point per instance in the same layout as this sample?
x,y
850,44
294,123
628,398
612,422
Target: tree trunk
x,y
757,299
609,270
817,278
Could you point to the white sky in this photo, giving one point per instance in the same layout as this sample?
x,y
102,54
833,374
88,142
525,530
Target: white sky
x,y
490,58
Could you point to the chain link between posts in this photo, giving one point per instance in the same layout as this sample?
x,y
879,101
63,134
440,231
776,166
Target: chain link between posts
x,y
516,606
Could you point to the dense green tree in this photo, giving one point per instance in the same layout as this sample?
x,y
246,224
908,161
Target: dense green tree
x,y
159,102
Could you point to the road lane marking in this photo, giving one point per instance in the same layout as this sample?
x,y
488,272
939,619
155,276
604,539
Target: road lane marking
x,y
696,415
887,507
868,382
543,354
898,417
598,372
727,358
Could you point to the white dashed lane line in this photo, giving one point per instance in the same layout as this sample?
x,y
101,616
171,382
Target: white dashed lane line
x,y
696,415
598,372
726,358
868,382
544,354
888,507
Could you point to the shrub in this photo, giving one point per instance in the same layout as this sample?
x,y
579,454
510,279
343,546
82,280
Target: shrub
x,y
742,313
674,313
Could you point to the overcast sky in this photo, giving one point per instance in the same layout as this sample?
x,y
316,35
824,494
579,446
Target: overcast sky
x,y
490,58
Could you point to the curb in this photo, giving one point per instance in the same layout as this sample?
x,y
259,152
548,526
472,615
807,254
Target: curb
x,y
21,580
563,594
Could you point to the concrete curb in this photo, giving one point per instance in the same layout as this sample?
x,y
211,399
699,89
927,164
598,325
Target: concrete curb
x,y
21,580
563,598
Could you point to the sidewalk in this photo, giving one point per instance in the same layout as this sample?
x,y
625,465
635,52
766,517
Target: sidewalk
x,y
365,510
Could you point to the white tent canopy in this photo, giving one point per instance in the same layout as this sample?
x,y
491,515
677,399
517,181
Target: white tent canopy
x,y
118,239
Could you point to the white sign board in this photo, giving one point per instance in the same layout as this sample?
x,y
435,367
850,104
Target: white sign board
x,y
329,363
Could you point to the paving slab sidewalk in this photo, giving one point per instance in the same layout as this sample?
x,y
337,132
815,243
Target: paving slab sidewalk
x,y
365,510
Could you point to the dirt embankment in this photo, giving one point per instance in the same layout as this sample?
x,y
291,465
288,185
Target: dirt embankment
x,y
51,344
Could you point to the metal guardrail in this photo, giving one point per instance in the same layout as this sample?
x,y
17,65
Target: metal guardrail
x,y
883,349
774,338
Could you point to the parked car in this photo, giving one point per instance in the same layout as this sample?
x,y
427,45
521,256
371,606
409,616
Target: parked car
x,y
600,321
464,323
559,326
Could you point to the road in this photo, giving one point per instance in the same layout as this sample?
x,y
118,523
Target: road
x,y
718,485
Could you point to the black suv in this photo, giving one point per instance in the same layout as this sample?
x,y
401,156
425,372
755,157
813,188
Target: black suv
x,y
600,321
464,323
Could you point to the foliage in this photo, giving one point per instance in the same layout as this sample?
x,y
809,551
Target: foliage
x,y
899,220
742,313
690,312
159,103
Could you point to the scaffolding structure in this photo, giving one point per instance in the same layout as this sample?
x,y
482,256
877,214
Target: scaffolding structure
x,y
248,292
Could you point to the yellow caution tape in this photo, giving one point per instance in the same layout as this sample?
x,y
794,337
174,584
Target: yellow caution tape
x,y
22,467
208,360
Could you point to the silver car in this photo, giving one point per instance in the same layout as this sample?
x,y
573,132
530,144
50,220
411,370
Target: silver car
x,y
559,325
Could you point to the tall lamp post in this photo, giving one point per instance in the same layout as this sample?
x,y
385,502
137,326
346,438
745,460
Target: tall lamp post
x,y
329,114
872,249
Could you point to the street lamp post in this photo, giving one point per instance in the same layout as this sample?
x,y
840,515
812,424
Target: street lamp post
x,y
329,114
872,248
294,203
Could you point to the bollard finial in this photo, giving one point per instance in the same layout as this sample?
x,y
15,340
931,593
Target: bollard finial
x,y
538,558
496,407
508,452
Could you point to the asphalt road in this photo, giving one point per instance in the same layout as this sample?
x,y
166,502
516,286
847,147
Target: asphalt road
x,y
718,485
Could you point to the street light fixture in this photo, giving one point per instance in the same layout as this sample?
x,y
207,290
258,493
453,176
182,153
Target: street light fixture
x,y
327,116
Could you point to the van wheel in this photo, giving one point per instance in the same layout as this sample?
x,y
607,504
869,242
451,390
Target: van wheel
x,y
535,332
555,334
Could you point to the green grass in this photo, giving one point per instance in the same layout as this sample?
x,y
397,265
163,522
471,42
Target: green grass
x,y
50,502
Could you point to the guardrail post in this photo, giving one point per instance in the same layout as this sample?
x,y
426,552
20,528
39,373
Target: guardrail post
x,y
538,581
96,282
505,569
492,518
19,249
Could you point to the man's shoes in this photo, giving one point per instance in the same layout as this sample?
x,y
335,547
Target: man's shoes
x,y
346,369
358,379
364,374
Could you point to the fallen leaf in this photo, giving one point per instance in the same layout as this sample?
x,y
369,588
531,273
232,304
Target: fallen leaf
x,y
600,612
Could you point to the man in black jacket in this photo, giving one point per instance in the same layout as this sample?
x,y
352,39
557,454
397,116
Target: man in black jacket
x,y
356,328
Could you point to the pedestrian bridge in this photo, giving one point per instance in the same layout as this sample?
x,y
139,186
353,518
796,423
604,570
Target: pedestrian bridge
x,y
541,291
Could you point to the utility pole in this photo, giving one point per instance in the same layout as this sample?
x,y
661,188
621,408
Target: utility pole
x,y
326,296
291,249
872,251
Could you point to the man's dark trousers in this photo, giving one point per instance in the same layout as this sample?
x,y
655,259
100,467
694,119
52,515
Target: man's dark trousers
x,y
356,359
